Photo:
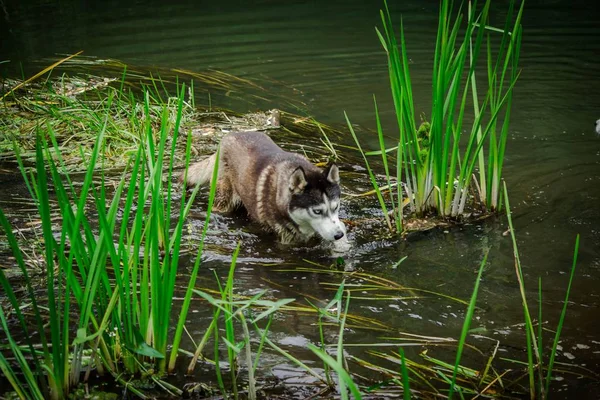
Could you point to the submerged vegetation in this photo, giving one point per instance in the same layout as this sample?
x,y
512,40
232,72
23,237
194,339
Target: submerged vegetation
x,y
99,156
441,159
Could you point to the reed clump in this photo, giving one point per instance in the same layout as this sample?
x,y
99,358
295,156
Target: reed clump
x,y
449,166
119,277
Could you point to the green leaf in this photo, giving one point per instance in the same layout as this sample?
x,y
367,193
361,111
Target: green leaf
x,y
338,368
143,348
235,347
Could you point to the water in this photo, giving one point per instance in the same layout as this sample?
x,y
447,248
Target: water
x,y
324,59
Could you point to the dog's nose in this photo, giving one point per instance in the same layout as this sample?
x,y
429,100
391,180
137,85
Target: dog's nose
x,y
339,235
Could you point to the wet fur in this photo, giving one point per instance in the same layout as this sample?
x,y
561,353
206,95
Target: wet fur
x,y
273,185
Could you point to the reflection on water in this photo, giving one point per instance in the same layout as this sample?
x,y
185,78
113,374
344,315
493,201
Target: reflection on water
x,y
326,59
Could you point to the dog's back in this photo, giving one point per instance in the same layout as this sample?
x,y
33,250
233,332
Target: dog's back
x,y
258,171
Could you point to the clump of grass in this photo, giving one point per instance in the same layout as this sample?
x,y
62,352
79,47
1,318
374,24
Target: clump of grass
x,y
465,329
116,274
69,95
76,109
76,106
119,279
437,170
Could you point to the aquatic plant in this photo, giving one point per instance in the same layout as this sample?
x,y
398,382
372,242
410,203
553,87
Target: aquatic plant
x,y
336,311
487,381
437,168
68,100
119,279
536,369
114,241
107,330
232,309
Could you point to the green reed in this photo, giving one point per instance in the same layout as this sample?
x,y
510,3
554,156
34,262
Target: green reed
x,y
61,282
466,325
405,378
438,159
232,311
117,278
535,367
338,364
561,320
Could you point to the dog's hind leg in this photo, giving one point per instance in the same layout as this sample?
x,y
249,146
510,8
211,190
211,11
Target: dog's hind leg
x,y
226,200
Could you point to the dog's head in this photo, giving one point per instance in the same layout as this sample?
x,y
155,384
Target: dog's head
x,y
315,202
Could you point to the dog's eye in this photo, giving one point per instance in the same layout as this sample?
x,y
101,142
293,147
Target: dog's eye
x,y
317,211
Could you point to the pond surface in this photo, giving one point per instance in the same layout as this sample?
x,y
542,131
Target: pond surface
x,y
321,59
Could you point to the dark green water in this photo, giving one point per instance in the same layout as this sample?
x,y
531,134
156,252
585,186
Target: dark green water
x,y
325,58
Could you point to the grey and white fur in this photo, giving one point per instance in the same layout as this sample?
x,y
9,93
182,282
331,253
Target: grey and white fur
x,y
282,191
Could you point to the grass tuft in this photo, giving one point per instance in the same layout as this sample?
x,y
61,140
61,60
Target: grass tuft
x,y
118,278
432,161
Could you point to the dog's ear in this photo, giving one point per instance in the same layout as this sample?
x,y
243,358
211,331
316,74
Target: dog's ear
x,y
333,174
297,181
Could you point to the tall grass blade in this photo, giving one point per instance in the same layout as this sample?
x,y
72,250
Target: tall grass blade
x,y
339,369
340,346
194,274
371,176
561,321
299,363
466,325
540,324
217,337
12,378
31,387
397,211
57,381
227,297
249,363
404,371
531,339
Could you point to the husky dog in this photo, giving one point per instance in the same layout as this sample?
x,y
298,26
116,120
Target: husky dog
x,y
282,191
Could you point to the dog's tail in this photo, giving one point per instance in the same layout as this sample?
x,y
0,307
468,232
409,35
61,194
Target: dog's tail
x,y
200,172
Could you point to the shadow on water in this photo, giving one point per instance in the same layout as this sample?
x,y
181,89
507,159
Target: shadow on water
x,y
321,60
